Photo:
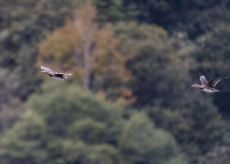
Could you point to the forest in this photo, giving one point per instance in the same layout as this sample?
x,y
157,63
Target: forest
x,y
129,100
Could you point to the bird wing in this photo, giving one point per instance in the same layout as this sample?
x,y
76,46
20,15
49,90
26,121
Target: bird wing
x,y
61,74
213,82
203,80
48,70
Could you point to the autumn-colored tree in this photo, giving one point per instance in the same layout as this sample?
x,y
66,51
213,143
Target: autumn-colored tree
x,y
84,17
89,51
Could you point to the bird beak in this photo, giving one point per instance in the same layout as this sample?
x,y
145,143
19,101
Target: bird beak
x,y
192,86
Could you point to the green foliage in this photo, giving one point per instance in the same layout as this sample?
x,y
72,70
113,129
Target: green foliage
x,y
194,127
63,124
161,69
213,58
24,141
141,142
96,154
64,106
72,126
89,130
158,63
192,16
67,115
23,24
21,31
115,11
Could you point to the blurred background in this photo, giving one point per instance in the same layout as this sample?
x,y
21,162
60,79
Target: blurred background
x,y
130,99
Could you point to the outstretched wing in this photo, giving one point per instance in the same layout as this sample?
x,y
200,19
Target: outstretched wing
x,y
203,80
213,82
48,70
65,74
62,74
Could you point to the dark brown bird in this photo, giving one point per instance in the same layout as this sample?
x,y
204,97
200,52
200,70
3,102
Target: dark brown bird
x,y
208,86
54,74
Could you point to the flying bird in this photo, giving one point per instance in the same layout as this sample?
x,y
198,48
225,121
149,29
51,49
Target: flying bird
x,y
208,86
54,74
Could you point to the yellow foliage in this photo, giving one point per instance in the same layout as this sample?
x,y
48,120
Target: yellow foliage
x,y
107,59
64,50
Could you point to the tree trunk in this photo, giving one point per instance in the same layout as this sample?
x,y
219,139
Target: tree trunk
x,y
86,77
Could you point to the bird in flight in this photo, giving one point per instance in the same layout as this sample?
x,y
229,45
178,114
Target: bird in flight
x,y
208,86
54,74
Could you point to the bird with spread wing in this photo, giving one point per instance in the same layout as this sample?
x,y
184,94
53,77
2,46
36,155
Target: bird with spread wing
x,y
208,86
54,74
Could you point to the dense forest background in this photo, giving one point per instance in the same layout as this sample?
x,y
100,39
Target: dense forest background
x,y
130,99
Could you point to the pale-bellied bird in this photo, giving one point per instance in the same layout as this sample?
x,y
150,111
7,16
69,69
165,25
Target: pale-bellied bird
x,y
54,74
208,86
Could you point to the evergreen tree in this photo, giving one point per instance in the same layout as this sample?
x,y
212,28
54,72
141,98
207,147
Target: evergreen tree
x,y
142,142
72,126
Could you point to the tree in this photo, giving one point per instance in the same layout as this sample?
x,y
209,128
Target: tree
x,y
103,68
69,109
24,142
23,24
158,62
84,23
194,17
161,67
115,11
142,142
72,126
212,60
45,135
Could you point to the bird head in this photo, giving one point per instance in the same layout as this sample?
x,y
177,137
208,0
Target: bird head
x,y
195,85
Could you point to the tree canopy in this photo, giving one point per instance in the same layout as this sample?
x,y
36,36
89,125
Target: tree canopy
x,y
130,99
83,128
